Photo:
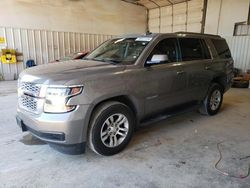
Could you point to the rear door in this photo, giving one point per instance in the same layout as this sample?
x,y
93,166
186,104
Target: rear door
x,y
166,82
196,60
223,61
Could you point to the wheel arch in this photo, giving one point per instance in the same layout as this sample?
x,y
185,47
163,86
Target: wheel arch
x,y
125,99
221,79
130,101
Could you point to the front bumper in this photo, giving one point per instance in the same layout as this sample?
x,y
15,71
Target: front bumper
x,y
55,136
65,128
72,149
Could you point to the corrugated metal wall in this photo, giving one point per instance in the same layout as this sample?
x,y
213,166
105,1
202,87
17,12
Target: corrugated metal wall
x,y
185,16
44,46
240,49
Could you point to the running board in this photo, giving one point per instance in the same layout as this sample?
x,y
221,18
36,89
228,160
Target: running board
x,y
169,113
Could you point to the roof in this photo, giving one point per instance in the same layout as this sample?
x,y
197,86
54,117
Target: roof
x,y
197,34
139,35
151,4
170,34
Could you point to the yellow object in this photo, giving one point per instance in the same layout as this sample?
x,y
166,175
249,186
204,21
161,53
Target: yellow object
x,y
8,56
2,40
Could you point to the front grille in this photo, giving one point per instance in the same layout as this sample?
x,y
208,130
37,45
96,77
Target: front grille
x,y
29,103
30,88
29,96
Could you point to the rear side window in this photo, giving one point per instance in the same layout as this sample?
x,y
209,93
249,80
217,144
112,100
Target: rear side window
x,y
221,48
193,49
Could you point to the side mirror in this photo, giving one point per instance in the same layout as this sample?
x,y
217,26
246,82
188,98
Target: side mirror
x,y
157,59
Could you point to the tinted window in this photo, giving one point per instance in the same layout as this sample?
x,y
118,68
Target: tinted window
x,y
206,52
166,47
221,48
193,49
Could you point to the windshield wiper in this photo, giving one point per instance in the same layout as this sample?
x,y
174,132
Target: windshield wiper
x,y
93,59
106,60
113,61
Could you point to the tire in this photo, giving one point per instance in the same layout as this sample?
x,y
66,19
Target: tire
x,y
115,136
212,103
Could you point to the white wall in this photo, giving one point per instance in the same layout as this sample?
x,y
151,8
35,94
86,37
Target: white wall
x,y
239,46
45,30
221,18
223,14
86,16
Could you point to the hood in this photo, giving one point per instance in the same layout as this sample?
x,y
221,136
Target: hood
x,y
71,72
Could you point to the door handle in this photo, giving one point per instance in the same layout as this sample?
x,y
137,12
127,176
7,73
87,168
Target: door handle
x,y
180,72
207,68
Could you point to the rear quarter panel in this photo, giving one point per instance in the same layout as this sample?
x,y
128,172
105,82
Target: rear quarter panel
x,y
221,68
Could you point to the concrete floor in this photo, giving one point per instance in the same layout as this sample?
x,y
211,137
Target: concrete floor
x,y
178,152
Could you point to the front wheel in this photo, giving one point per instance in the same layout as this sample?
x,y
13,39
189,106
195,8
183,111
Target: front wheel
x,y
111,128
212,103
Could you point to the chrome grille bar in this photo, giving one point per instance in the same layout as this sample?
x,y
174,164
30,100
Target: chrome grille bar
x,y
30,88
29,96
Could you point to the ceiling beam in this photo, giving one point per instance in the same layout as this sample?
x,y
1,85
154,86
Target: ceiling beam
x,y
170,2
155,3
132,2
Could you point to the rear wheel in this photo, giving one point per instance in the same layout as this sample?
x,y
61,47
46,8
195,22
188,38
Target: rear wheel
x,y
212,103
111,128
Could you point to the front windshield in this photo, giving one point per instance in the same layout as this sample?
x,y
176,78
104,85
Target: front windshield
x,y
121,50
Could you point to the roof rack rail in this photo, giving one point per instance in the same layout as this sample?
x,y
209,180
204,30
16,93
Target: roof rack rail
x,y
193,33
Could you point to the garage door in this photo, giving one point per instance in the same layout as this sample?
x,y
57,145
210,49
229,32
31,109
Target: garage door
x,y
183,16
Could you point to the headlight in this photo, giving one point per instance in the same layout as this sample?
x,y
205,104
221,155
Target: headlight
x,y
57,97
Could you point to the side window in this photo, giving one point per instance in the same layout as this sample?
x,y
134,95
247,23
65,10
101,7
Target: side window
x,y
166,47
193,49
221,48
206,52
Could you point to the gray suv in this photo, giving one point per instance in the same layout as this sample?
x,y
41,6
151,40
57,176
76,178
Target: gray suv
x,y
125,82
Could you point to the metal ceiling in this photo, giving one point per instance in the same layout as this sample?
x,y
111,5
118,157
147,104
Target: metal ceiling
x,y
151,4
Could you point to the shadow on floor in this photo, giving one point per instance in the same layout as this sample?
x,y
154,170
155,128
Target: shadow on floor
x,y
29,139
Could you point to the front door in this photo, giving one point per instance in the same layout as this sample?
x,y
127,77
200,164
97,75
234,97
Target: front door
x,y
166,81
